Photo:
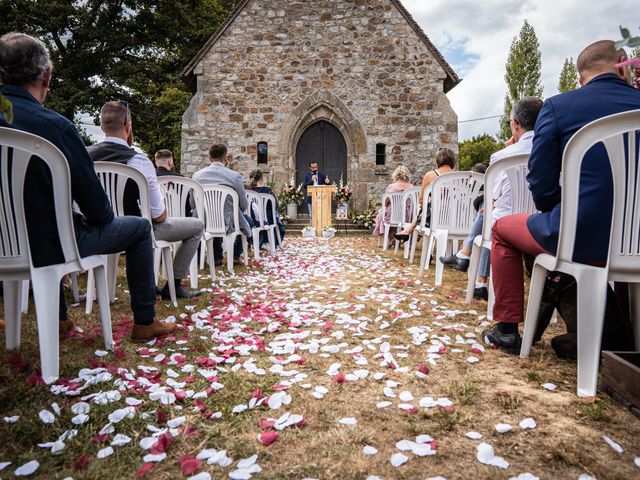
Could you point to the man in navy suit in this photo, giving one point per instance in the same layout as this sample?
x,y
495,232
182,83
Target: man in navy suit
x,y
605,90
314,177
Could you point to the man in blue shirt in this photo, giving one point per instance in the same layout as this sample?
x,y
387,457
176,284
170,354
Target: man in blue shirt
x,y
605,90
25,75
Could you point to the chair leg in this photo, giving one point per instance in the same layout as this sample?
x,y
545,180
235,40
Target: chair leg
x,y
592,302
90,288
441,249
74,287
385,240
167,259
634,311
193,272
272,240
112,274
12,311
46,300
211,259
414,245
277,230
100,275
407,246
245,249
256,244
229,242
424,261
25,296
202,252
472,272
538,276
157,258
491,300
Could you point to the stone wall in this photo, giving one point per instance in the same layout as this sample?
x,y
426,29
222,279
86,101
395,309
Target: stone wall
x,y
283,64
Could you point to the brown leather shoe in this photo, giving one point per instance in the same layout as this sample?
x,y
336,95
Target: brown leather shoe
x,y
64,326
144,333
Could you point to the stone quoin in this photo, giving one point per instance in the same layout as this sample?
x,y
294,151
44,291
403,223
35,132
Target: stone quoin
x,y
353,84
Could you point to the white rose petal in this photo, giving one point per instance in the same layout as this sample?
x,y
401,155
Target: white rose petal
x,y
549,386
528,423
201,476
525,476
120,440
406,396
616,446
101,353
369,450
4,465
398,459
503,427
105,452
46,417
247,462
27,469
348,421
176,422
154,457
485,455
474,435
13,419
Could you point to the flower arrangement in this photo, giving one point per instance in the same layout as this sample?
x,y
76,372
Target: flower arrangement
x,y
308,232
328,229
343,192
291,194
328,232
366,217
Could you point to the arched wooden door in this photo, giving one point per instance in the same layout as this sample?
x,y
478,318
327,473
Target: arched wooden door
x,y
322,143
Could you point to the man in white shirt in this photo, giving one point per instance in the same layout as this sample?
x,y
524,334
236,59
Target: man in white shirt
x,y
115,121
523,118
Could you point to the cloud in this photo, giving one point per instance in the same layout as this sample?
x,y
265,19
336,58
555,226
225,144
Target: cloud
x,y
475,38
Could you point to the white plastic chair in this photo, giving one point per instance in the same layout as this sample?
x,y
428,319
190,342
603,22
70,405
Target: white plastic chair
x,y
177,192
392,202
215,197
16,149
114,177
270,205
257,206
615,132
421,229
409,205
452,214
515,169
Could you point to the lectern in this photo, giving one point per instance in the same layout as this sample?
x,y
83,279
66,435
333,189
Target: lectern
x,y
321,196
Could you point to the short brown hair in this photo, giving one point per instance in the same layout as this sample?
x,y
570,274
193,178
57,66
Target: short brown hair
x,y
24,60
113,116
217,151
446,156
163,154
599,56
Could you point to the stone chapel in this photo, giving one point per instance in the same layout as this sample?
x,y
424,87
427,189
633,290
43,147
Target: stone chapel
x,y
355,85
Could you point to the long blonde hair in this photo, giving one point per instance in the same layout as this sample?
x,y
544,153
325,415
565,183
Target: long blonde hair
x,y
401,174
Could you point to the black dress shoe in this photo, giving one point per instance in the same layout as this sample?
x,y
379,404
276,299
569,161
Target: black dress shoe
x,y
566,346
507,342
457,263
481,293
402,237
181,292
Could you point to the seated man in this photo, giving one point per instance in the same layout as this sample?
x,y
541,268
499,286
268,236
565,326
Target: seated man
x,y
273,218
165,167
218,174
25,74
523,118
115,121
604,90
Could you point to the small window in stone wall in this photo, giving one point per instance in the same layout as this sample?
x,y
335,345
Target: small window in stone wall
x,y
263,152
381,154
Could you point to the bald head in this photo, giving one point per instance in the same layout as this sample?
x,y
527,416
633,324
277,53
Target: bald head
x,y
598,58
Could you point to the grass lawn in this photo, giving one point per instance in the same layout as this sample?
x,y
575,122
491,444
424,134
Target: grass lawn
x,y
339,314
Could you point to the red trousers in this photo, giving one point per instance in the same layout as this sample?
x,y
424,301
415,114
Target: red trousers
x,y
511,239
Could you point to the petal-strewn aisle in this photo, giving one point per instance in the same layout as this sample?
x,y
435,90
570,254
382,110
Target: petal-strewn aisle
x,y
329,360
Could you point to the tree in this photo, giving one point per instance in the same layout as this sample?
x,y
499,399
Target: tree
x,y
522,73
477,150
568,76
131,50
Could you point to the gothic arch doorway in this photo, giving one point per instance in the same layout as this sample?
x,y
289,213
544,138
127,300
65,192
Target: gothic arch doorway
x,y
323,143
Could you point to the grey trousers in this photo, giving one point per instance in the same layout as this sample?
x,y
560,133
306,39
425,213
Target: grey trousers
x,y
188,231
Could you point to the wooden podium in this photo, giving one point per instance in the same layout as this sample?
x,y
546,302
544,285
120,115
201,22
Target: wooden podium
x,y
321,196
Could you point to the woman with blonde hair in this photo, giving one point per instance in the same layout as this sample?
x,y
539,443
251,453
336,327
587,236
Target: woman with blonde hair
x,y
401,177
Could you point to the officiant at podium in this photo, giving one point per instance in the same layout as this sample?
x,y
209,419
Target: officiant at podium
x,y
314,177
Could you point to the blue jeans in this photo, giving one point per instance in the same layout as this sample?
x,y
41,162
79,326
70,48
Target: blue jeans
x,y
133,236
476,229
237,245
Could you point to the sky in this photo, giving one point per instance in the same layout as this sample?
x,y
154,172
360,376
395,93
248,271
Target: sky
x,y
475,35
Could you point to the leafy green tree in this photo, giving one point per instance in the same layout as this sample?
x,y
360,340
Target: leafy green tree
x,y
522,73
131,50
477,150
568,76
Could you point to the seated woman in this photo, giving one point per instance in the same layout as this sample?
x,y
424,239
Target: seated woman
x,y
257,185
445,163
401,181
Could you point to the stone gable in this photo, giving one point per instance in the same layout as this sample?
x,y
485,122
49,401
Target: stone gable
x,y
279,66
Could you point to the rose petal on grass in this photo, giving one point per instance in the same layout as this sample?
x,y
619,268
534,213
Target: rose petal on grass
x,y
4,465
82,462
120,439
189,464
398,459
27,469
144,469
406,396
105,452
267,437
474,435
637,461
383,404
154,457
525,476
503,427
486,455
369,450
348,421
201,476
46,416
247,462
528,423
549,386
616,446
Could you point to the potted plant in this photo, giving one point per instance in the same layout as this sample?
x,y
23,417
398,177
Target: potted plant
x,y
291,196
308,232
342,196
328,232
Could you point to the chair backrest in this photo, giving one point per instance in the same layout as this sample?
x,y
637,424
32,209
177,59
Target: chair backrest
x,y
16,150
215,198
177,192
256,208
269,206
620,135
515,168
392,201
409,204
452,196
